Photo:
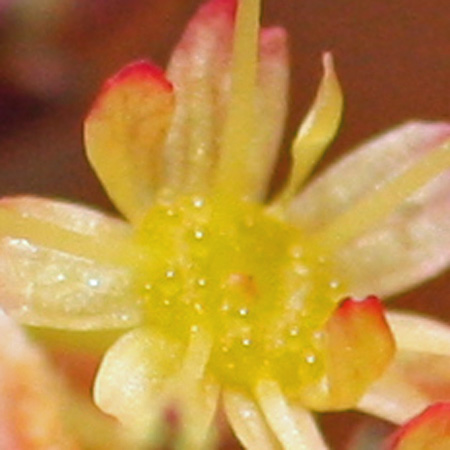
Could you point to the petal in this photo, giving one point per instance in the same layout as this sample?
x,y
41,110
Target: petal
x,y
272,107
428,373
293,426
200,70
424,353
32,411
419,334
59,265
68,216
393,398
195,393
141,381
409,245
248,423
429,430
125,132
364,169
358,348
317,130
412,246
131,380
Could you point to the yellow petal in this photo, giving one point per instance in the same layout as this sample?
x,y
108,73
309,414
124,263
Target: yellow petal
x,y
64,266
125,133
199,70
132,378
316,131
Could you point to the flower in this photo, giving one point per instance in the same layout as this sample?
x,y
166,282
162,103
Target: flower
x,y
216,292
31,407
37,409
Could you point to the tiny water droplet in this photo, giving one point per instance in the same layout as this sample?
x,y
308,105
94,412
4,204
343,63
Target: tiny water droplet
x,y
170,273
198,307
199,234
94,282
294,331
243,312
334,284
198,202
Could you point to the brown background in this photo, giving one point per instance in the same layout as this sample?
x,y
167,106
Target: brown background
x,y
393,59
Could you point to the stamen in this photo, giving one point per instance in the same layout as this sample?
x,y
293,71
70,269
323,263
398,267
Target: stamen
x,y
374,207
45,234
197,355
196,396
240,122
316,131
295,431
247,422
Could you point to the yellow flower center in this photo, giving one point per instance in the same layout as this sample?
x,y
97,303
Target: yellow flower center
x,y
245,277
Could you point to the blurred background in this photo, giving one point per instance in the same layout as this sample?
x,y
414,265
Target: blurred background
x,y
392,57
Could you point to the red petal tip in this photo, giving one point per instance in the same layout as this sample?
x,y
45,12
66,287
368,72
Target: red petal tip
x,y
435,418
371,304
140,71
218,7
273,40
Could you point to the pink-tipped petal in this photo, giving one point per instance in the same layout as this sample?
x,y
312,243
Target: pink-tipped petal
x,y
410,247
411,244
359,347
272,105
367,167
200,69
125,133
58,265
429,430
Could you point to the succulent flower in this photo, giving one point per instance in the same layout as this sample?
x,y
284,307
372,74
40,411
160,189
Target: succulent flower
x,y
222,295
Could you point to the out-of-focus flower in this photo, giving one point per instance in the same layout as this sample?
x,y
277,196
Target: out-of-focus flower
x,y
37,410
31,407
220,293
